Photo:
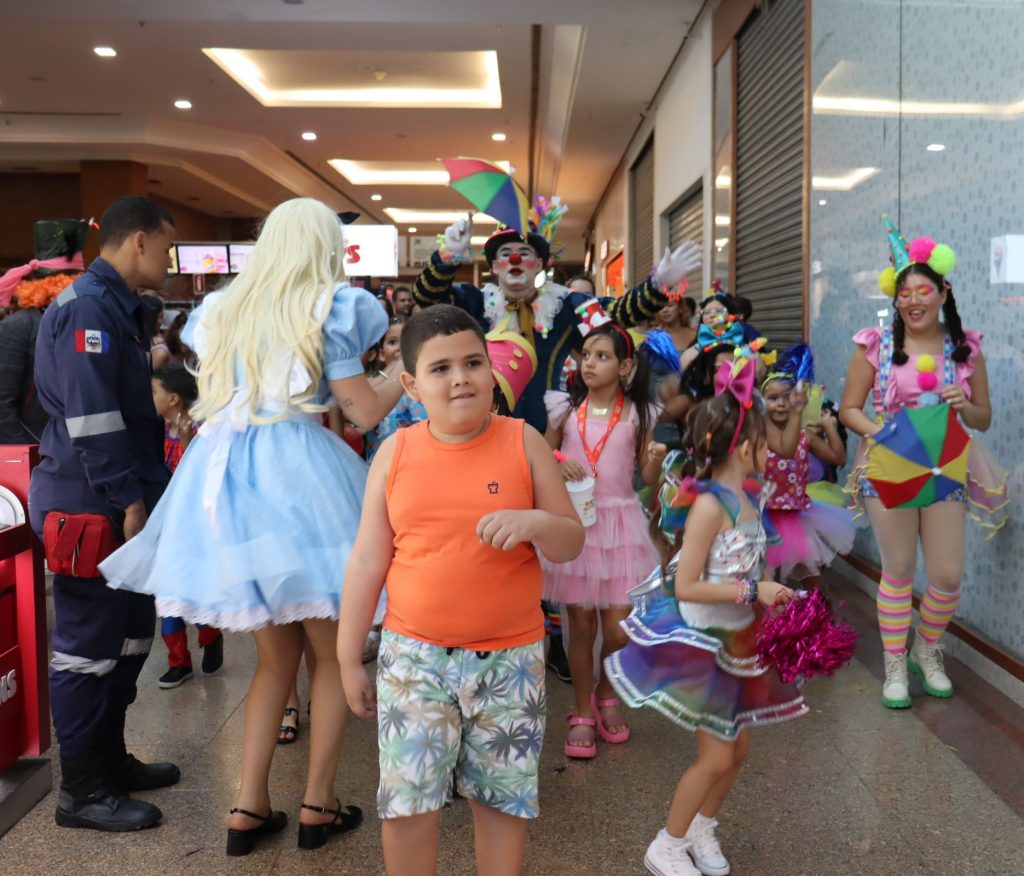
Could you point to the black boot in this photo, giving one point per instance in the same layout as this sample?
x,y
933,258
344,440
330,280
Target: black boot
x,y
213,655
134,775
556,661
109,811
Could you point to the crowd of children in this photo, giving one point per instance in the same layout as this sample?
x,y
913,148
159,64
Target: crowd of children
x,y
450,592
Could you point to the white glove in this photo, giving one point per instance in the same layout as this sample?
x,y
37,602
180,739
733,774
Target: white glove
x,y
457,236
674,266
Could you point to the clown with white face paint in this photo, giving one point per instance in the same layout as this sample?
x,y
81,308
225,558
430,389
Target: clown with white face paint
x,y
546,314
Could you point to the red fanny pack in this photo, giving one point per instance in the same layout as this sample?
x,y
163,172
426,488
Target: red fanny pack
x,y
77,543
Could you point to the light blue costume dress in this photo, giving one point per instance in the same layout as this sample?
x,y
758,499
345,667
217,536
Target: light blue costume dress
x,y
259,520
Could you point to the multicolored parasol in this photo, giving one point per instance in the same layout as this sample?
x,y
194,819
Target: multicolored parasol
x,y
491,190
919,457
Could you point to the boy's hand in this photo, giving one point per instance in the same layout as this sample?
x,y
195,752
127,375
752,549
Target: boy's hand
x,y
359,692
506,530
572,470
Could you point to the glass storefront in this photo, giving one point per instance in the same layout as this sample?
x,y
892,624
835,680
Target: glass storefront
x,y
918,111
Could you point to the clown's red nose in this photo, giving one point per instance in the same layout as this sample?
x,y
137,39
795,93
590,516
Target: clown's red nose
x,y
515,259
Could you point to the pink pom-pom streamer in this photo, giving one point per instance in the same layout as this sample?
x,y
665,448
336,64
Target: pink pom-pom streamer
x,y
803,639
921,249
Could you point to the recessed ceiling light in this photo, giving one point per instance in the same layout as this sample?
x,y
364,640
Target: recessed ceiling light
x,y
105,52
413,229
822,202
498,137
936,147
183,104
308,135
376,197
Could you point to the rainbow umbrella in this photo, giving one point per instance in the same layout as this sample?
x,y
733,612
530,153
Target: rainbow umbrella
x,y
919,457
492,191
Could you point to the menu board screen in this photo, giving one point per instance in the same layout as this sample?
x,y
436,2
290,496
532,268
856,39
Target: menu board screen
x,y
203,258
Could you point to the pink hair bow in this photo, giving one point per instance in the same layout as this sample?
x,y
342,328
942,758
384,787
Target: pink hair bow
x,y
738,379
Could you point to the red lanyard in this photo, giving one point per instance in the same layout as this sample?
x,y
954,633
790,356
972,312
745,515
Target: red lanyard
x,y
581,423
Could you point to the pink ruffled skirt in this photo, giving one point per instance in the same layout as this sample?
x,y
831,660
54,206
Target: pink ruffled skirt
x,y
810,538
618,553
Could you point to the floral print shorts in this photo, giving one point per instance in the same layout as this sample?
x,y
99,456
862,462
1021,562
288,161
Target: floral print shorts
x,y
447,713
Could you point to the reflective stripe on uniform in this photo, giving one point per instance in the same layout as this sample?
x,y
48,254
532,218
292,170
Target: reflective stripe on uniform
x,y
61,662
95,424
67,295
134,647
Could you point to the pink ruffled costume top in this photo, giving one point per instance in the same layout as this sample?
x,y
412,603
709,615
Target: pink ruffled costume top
x,y
896,387
618,550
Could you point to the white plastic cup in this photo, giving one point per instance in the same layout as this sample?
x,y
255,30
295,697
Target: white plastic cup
x,y
582,495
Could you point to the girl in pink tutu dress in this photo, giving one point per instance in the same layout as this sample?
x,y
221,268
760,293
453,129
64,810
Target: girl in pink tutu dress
x,y
812,532
602,428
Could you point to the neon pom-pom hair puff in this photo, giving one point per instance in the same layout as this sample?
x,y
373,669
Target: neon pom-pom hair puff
x,y
921,251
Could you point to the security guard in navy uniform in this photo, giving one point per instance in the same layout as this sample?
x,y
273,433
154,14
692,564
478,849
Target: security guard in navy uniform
x,y
102,453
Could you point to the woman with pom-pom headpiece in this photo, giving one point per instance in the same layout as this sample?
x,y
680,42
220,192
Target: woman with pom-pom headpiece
x,y
919,361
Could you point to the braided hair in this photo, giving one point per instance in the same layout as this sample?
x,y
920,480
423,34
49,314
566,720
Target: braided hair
x,y
709,431
951,315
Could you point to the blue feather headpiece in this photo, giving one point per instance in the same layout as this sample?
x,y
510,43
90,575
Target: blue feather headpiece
x,y
661,352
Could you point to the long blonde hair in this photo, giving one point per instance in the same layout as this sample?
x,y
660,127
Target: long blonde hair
x,y
270,307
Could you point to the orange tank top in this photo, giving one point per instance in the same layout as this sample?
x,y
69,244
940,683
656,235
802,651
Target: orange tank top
x,y
444,586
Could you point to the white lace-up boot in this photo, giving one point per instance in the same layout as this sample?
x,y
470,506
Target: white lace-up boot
x,y
667,856
926,661
706,852
895,689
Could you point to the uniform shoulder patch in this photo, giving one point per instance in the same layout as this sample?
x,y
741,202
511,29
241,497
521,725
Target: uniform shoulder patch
x,y
92,341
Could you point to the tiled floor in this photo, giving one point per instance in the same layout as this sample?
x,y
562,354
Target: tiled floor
x,y
851,789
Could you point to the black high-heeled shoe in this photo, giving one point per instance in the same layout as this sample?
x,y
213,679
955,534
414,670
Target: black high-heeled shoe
x,y
241,842
313,836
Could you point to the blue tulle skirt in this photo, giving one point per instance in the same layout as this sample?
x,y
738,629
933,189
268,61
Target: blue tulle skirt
x,y
275,545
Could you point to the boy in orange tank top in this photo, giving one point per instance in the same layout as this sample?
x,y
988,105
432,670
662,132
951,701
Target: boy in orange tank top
x,y
455,511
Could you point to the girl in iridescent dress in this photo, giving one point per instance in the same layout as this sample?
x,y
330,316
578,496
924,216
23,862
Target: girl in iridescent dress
x,y
691,653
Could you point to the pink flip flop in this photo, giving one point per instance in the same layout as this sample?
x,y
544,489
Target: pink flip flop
x,y
613,738
574,749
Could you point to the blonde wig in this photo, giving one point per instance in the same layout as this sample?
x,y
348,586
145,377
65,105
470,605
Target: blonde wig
x,y
271,317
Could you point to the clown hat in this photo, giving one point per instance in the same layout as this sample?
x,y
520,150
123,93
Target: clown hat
x,y
503,234
921,251
513,363
58,260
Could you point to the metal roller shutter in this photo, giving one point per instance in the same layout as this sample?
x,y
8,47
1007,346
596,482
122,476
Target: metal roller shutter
x,y
769,169
686,222
641,215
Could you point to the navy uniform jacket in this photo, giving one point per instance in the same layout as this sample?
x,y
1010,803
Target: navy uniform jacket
x,y
638,306
103,447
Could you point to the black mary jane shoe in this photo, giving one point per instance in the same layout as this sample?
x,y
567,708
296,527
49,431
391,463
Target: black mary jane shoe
x,y
313,836
241,842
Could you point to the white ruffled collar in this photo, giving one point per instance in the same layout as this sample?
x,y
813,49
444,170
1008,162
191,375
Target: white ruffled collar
x,y
546,306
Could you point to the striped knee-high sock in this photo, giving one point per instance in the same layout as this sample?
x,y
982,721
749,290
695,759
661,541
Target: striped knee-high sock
x,y
937,610
894,603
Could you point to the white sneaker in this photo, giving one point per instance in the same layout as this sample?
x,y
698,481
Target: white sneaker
x,y
372,646
707,853
926,661
667,858
895,689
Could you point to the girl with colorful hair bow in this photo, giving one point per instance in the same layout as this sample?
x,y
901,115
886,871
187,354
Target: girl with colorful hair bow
x,y
921,361
692,650
603,429
811,533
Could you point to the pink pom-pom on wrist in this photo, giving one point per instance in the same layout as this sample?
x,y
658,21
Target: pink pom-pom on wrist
x,y
560,457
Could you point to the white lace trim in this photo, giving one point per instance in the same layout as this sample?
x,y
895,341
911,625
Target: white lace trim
x,y
250,619
547,306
